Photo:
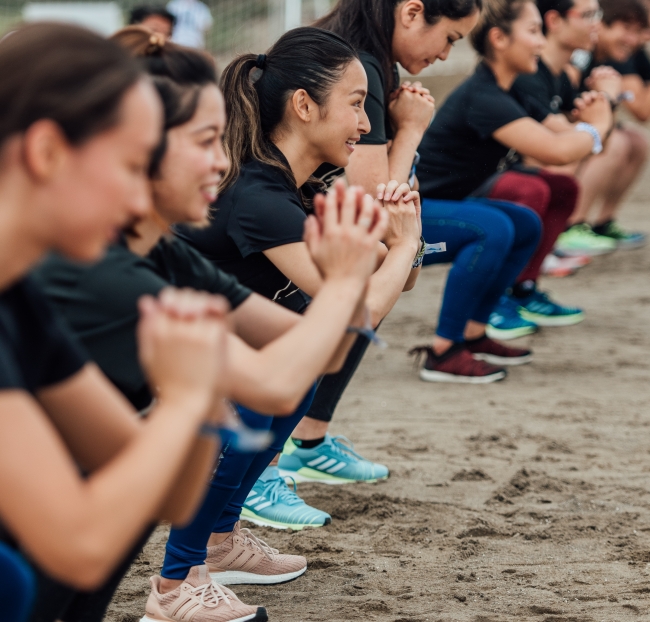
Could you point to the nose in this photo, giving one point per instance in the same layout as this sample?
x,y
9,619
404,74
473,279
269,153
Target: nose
x,y
364,122
141,201
221,161
444,55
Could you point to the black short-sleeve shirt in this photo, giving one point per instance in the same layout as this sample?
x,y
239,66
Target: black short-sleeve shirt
x,y
100,301
37,350
554,93
638,64
458,153
261,210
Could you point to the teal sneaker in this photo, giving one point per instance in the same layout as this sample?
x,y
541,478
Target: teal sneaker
x,y
271,503
334,461
539,308
505,322
625,240
581,240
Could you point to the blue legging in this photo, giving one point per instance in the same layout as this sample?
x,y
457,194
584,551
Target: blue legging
x,y
489,243
17,586
233,480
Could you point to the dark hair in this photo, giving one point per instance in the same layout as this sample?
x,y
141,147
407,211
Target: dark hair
x,y
562,7
496,14
141,12
179,74
304,58
629,11
64,73
368,25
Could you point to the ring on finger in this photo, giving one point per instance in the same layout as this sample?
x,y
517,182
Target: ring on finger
x,y
365,222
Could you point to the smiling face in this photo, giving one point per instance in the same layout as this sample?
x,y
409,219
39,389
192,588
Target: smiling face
x,y
102,184
619,40
341,120
418,44
578,29
521,49
193,164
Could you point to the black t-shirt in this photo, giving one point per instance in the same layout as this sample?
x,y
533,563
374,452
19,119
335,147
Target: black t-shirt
x,y
261,210
100,301
37,350
458,153
638,64
376,107
554,93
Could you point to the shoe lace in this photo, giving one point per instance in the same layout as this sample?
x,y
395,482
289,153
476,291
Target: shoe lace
x,y
210,594
277,490
252,541
420,353
345,447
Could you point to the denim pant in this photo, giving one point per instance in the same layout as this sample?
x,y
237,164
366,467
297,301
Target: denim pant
x,y
235,477
17,585
489,243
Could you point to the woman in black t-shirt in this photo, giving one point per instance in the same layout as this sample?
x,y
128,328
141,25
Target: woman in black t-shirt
x,y
78,126
475,142
286,354
289,111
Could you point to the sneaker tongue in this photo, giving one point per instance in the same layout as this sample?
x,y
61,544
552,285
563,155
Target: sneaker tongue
x,y
270,473
198,576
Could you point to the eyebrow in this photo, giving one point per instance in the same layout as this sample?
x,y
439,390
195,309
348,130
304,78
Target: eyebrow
x,y
361,92
206,128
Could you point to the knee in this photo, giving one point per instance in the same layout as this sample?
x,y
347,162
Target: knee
x,y
499,232
529,228
535,193
638,146
565,193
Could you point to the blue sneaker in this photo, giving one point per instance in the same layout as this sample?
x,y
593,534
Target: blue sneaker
x,y
539,308
505,322
271,503
334,461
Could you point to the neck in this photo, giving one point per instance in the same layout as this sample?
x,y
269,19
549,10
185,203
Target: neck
x,y
22,243
556,56
301,161
148,232
505,76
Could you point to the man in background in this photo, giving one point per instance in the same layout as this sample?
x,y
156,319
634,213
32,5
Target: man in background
x,y
156,18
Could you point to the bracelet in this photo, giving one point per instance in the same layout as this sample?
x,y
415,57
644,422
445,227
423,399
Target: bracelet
x,y
419,258
368,332
594,133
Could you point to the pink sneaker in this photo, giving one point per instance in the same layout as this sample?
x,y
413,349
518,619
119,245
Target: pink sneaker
x,y
245,559
198,599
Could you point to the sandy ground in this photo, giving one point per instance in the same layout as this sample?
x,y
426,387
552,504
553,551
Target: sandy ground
x,y
522,500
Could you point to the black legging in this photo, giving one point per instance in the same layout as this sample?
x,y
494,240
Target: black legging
x,y
332,386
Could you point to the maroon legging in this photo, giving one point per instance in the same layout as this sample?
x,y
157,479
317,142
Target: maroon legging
x,y
552,197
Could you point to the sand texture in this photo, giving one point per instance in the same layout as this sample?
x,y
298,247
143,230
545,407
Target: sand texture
x,y
523,500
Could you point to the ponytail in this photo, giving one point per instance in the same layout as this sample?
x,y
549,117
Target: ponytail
x,y
257,88
496,14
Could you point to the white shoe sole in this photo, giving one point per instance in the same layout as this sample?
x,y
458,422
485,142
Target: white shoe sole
x,y
509,335
438,376
504,360
244,619
236,577
577,252
304,479
551,321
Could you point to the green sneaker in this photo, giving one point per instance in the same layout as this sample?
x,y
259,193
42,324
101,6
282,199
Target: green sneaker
x,y
539,308
581,240
625,240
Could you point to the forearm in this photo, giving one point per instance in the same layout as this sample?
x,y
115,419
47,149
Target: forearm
x,y
390,280
275,379
401,155
413,277
359,319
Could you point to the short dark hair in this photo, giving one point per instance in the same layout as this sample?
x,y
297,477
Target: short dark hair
x,y
560,6
628,11
64,73
142,11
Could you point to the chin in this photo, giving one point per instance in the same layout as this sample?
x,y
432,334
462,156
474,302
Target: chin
x,y
85,254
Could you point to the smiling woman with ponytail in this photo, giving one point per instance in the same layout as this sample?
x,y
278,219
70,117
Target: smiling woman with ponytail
x,y
290,111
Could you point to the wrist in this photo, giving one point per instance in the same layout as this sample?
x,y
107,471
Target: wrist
x,y
407,245
191,401
410,130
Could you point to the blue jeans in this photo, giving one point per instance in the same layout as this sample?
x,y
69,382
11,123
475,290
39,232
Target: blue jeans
x,y
235,477
489,242
17,586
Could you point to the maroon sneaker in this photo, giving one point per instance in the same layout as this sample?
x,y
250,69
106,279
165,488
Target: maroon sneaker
x,y
490,351
456,365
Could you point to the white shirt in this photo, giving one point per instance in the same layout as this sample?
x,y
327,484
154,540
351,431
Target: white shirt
x,y
193,18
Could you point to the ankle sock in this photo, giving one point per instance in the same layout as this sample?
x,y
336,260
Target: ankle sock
x,y
307,444
523,289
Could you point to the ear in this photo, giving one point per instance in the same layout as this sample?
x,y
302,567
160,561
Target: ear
x,y
409,13
45,148
303,106
498,39
551,20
